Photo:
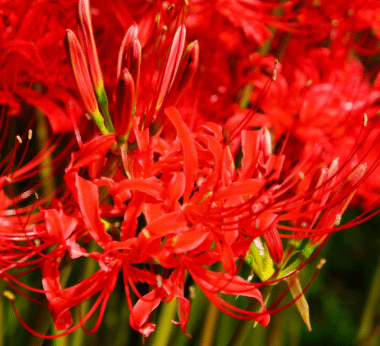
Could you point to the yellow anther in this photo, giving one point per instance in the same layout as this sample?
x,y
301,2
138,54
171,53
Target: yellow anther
x,y
8,294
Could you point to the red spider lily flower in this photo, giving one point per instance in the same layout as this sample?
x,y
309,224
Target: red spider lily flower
x,y
220,216
200,202
61,300
347,24
23,238
330,111
31,60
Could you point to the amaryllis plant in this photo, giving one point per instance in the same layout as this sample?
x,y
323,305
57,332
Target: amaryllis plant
x,y
212,150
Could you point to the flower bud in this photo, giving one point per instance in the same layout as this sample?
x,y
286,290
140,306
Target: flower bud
x,y
81,75
273,240
173,63
86,38
186,71
82,78
130,55
125,102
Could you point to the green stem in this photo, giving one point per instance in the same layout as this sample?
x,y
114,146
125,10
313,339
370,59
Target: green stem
x,y
244,326
209,327
46,173
89,268
99,121
164,324
276,334
2,313
63,340
43,319
103,103
371,307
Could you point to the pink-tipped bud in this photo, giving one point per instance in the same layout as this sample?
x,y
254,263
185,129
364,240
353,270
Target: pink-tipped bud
x,y
130,55
173,63
80,70
87,40
125,103
187,68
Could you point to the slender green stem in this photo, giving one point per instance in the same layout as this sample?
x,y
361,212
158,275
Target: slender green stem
x,y
276,334
371,307
103,103
164,324
2,313
90,267
293,329
63,340
46,173
43,319
244,326
99,121
208,332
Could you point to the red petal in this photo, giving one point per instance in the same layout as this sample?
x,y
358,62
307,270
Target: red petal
x,y
89,206
190,155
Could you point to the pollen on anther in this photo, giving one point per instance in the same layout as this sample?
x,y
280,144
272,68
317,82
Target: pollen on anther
x,y
192,292
159,281
260,246
10,295
19,139
274,75
146,233
321,263
30,134
365,119
338,219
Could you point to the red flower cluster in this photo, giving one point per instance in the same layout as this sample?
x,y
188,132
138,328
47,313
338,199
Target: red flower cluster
x,y
199,159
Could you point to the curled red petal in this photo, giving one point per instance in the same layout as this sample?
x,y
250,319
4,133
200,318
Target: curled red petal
x,y
88,200
190,164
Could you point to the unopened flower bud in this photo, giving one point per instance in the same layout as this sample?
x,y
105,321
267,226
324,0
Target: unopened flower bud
x,y
130,55
86,38
173,63
125,102
81,75
273,240
186,71
82,78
